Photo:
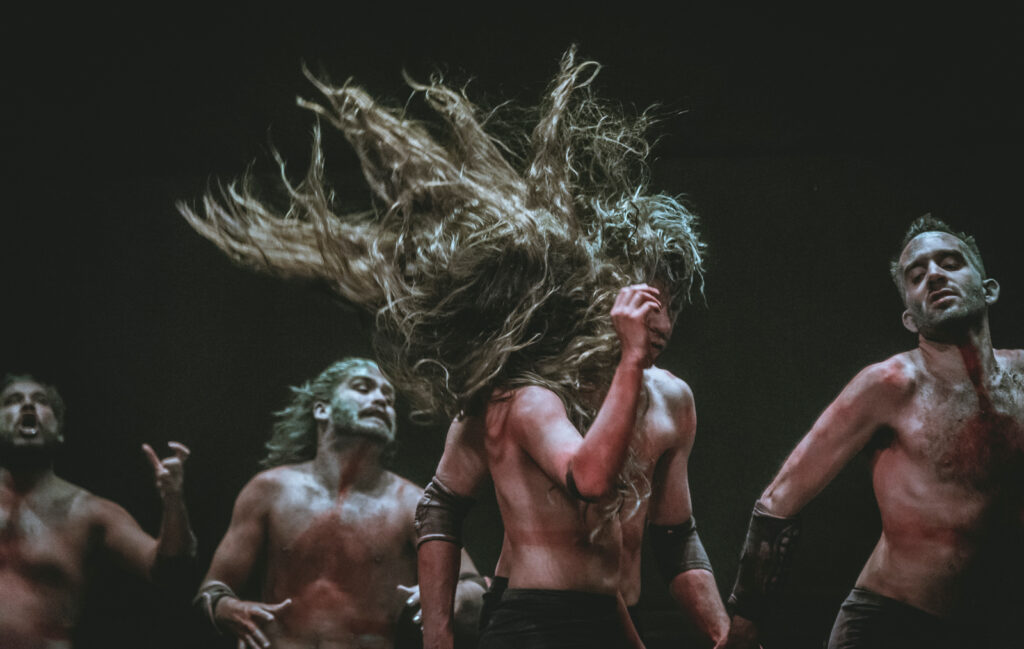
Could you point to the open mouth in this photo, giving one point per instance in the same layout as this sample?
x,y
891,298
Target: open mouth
x,y
28,424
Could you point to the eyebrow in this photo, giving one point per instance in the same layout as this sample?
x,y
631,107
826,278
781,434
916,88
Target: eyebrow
x,y
920,260
384,384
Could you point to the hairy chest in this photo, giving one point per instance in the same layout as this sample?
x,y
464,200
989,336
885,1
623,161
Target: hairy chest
x,y
972,435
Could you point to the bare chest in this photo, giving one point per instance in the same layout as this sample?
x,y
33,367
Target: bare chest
x,y
973,436
42,544
336,537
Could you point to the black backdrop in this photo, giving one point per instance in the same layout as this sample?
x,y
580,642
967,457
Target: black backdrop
x,y
806,143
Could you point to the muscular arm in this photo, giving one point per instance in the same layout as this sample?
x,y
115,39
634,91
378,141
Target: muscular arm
x,y
865,405
694,589
138,551
242,544
868,403
463,467
538,422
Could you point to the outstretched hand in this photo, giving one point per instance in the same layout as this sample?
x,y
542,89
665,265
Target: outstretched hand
x,y
170,472
629,314
245,619
412,602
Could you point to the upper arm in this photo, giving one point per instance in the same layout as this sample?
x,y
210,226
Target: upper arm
x,y
866,404
538,424
244,540
670,487
124,539
463,465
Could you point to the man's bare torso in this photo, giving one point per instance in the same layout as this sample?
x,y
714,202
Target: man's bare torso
x,y
46,536
548,533
949,479
339,557
657,432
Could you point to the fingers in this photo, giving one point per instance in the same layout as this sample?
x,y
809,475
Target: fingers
x,y
256,636
180,450
274,608
153,458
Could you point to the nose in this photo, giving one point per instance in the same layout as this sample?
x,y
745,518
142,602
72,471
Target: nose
x,y
936,275
377,397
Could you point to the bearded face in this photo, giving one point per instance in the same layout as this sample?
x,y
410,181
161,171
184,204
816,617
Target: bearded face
x,y
943,289
364,405
29,428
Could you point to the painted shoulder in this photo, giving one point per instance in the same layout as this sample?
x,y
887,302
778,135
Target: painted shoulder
x,y
404,491
272,481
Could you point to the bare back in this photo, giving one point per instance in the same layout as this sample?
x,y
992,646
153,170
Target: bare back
x,y
547,531
949,480
339,557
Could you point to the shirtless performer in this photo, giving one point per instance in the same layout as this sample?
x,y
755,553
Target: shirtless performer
x,y
492,267
666,424
51,530
946,422
331,528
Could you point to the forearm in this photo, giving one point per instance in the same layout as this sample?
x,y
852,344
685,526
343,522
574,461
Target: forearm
x,y
438,567
630,635
600,457
176,537
696,593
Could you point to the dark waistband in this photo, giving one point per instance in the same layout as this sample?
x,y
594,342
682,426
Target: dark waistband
x,y
867,596
551,597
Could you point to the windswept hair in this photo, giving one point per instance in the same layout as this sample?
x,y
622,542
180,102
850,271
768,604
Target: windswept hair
x,y
56,401
929,223
294,438
489,263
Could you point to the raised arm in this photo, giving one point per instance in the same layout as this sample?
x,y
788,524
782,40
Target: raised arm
x,y
866,405
678,551
588,466
233,563
441,562
165,558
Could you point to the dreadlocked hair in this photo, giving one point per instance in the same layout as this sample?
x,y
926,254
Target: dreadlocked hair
x,y
489,263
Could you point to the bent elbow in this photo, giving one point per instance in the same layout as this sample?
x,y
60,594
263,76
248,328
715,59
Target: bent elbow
x,y
588,487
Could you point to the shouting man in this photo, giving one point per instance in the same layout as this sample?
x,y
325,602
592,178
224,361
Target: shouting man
x,y
50,529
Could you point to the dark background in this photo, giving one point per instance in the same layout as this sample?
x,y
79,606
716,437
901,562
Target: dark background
x,y
806,143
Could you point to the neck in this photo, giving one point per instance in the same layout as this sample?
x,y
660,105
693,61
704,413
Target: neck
x,y
341,464
23,476
970,352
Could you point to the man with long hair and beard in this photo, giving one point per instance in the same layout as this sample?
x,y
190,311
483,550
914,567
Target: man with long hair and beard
x,y
51,530
515,283
327,527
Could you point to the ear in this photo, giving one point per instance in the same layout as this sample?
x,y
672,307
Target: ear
x,y
908,322
991,288
321,411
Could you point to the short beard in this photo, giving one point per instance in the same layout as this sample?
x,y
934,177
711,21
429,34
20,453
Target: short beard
x,y
18,458
346,423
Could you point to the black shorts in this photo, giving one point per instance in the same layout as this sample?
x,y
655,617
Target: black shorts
x,y
554,619
868,620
